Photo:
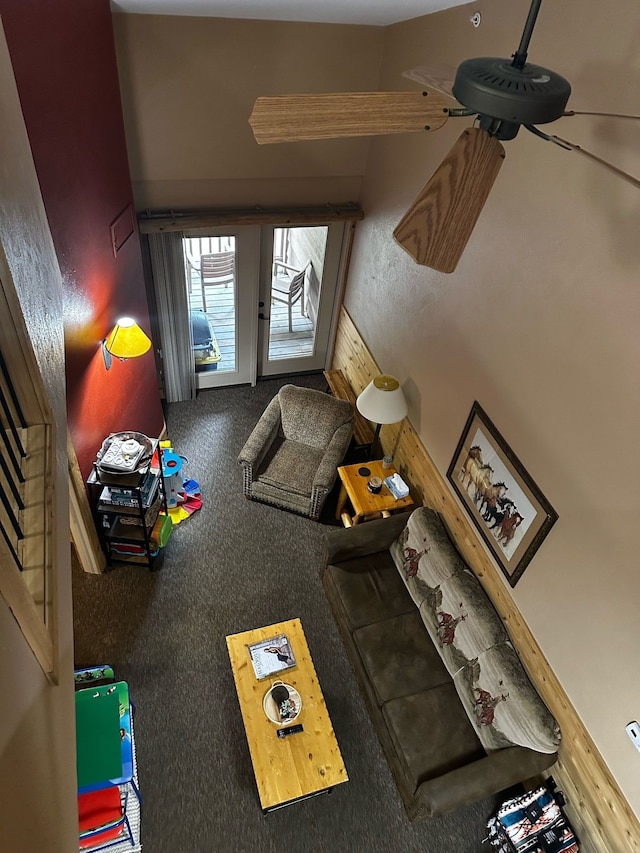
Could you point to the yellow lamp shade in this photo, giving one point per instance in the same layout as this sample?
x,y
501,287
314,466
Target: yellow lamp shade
x,y
127,340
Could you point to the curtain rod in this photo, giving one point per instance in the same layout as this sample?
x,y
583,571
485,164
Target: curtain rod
x,y
153,221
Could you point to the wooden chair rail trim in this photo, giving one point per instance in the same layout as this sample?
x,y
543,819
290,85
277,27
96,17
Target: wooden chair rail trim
x,y
602,817
340,388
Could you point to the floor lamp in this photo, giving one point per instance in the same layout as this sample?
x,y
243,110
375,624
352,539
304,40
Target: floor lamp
x,y
382,402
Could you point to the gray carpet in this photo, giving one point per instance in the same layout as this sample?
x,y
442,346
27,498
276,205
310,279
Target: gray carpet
x,y
232,566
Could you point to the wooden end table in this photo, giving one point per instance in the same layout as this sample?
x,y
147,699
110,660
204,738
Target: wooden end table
x,y
301,765
365,504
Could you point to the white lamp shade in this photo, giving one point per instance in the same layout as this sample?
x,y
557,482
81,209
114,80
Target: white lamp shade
x,y
382,401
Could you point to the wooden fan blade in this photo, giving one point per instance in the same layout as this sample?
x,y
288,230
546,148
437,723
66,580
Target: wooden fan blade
x,y
439,78
294,118
601,115
571,146
437,227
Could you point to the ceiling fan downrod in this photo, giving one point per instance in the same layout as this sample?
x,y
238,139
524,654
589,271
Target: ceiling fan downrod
x,y
520,56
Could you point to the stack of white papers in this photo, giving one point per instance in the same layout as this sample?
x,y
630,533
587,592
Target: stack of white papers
x,y
397,486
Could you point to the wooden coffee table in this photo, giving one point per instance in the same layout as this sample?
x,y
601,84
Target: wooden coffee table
x,y
365,504
300,765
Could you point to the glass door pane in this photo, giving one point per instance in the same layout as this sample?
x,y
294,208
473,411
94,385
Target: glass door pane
x,y
221,281
296,277
211,286
300,277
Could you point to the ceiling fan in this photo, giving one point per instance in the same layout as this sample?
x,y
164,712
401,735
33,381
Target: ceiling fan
x,y
504,95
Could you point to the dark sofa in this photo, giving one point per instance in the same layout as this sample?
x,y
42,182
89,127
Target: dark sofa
x,y
457,716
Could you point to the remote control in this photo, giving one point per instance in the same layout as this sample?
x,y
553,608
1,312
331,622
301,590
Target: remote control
x,y
290,730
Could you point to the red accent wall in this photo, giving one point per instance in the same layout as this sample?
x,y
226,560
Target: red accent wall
x,y
64,62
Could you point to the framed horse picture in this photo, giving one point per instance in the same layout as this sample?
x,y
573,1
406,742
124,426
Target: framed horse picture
x,y
506,506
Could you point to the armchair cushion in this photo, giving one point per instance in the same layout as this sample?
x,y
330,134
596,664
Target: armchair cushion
x,y
293,467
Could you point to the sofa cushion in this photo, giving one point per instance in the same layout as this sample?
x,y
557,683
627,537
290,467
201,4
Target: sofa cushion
x,y
431,733
456,610
424,553
503,705
399,657
370,589
461,619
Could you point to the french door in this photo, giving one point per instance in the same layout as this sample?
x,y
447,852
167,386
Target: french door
x,y
222,303
262,299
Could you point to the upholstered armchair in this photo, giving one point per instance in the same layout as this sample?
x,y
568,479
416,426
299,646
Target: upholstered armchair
x,y
290,459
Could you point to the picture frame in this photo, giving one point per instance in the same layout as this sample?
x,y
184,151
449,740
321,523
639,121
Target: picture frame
x,y
506,506
122,227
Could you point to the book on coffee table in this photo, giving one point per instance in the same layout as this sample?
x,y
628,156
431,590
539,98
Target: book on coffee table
x,y
271,656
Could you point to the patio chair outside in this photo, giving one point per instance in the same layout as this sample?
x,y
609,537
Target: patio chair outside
x,y
287,286
218,268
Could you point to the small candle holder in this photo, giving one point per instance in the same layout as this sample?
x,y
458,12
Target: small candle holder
x,y
375,485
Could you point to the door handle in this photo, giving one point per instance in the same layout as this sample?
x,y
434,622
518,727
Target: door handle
x,y
261,316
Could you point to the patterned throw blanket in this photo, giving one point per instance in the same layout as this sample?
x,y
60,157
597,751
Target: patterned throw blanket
x,y
532,823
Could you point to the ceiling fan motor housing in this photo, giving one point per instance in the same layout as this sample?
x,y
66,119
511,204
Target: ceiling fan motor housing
x,y
493,87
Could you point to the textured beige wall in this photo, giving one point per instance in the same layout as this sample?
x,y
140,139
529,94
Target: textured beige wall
x,y
540,324
38,810
188,87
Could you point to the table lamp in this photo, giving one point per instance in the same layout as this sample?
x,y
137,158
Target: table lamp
x,y
382,402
